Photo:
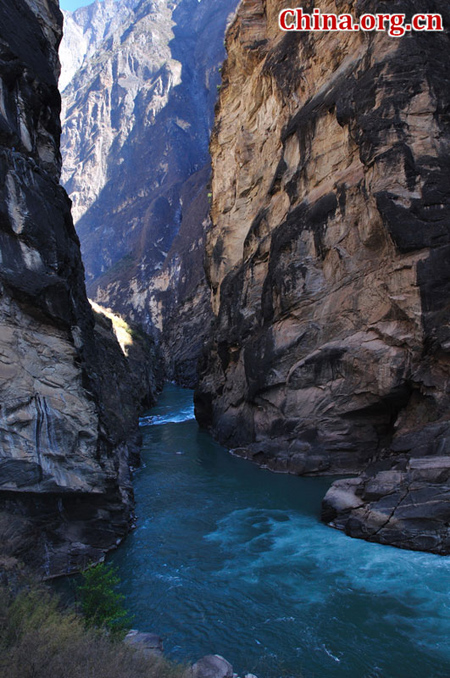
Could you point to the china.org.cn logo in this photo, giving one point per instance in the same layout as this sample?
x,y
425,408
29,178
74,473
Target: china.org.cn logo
x,y
396,25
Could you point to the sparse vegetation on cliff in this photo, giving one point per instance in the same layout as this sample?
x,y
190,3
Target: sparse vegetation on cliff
x,y
121,329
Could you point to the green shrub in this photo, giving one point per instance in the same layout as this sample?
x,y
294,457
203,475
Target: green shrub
x,y
101,605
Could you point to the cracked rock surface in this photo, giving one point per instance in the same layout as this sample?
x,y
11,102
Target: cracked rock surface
x,y
404,501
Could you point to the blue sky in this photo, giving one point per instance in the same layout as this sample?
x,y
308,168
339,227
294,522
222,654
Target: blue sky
x,y
74,4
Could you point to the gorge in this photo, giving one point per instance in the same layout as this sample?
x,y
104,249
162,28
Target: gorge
x,y
139,83
302,288
325,351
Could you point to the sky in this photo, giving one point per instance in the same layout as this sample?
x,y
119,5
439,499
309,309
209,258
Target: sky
x,y
74,4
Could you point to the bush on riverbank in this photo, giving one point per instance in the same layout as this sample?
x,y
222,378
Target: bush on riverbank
x,y
38,640
102,606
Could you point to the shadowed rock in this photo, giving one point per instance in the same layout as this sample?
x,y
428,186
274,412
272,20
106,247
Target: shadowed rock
x,y
212,666
68,405
148,643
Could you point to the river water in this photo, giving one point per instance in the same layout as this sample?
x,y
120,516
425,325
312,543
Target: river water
x,y
228,558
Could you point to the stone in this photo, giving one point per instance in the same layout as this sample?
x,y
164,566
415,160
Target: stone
x,y
406,508
212,666
147,643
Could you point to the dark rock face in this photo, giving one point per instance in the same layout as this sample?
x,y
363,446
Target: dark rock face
x,y
327,265
68,405
137,118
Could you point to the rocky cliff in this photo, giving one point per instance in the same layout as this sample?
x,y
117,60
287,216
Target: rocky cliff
x,y
68,406
328,265
137,113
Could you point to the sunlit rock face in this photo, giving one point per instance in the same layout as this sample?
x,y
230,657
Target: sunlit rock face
x,y
328,265
137,113
68,406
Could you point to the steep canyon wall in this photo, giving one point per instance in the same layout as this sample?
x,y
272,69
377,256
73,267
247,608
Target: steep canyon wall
x,y
328,263
68,404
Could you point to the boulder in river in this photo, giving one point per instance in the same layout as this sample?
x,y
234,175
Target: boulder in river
x,y
212,666
148,643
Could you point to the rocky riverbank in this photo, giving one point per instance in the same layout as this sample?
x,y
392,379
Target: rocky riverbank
x,y
209,666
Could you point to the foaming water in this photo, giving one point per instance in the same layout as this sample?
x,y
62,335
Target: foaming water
x,y
230,559
172,410
187,414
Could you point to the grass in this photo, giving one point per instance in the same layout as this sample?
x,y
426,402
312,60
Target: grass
x,y
38,639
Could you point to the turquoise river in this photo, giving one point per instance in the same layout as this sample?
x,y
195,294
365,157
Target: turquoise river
x,y
231,559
